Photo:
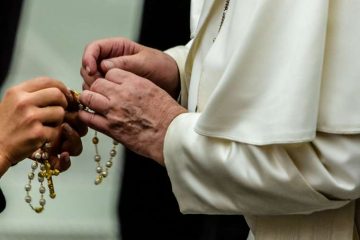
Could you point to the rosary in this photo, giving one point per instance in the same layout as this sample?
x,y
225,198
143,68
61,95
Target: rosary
x,y
41,157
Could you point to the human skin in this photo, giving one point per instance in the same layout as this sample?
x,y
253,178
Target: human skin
x,y
33,113
132,89
102,55
132,110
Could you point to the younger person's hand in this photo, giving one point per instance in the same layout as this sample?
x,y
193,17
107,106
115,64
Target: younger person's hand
x,y
31,115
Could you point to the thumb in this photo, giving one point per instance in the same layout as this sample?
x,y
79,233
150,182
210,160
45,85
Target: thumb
x,y
130,63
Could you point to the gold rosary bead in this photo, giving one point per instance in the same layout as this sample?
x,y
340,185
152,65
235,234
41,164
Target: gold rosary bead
x,y
95,140
38,209
98,180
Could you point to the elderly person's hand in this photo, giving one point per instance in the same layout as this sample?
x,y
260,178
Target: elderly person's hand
x,y
102,55
132,110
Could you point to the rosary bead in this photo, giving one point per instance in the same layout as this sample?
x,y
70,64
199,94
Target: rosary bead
x,y
97,158
48,145
42,167
45,155
103,170
98,180
34,165
108,164
27,187
40,179
31,176
42,202
112,153
37,156
95,140
28,199
42,189
104,174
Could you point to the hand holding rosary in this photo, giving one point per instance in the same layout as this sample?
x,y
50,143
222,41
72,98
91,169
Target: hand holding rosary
x,y
42,155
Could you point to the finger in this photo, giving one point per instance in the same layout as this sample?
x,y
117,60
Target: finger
x,y
51,116
95,121
49,97
39,83
118,76
95,101
47,134
72,142
132,63
89,79
85,86
72,118
61,163
106,48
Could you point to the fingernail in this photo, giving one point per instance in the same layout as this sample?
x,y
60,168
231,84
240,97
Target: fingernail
x,y
69,95
65,156
88,69
108,64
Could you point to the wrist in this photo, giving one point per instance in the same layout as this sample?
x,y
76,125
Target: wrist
x,y
5,163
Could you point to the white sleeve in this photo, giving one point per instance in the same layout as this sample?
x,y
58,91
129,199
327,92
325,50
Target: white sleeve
x,y
179,54
218,176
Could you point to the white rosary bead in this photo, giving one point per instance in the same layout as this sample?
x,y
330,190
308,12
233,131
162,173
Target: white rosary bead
x,y
42,202
27,187
45,156
42,167
112,153
108,164
37,156
34,164
31,176
42,189
28,199
99,169
97,158
104,174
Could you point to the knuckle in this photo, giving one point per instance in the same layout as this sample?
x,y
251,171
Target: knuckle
x,y
38,132
58,94
21,102
46,80
60,113
31,117
113,73
96,85
10,92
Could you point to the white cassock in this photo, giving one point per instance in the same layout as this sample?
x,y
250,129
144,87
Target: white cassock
x,y
274,121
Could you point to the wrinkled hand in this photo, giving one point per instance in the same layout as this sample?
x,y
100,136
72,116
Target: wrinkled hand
x,y
31,114
132,110
102,55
